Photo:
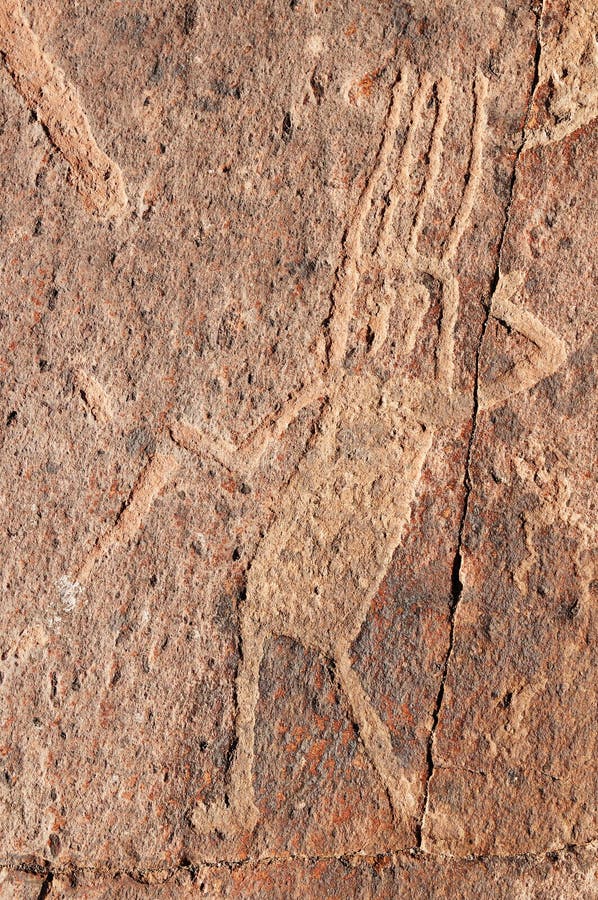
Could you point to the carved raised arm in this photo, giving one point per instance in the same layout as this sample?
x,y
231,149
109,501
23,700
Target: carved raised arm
x,y
549,354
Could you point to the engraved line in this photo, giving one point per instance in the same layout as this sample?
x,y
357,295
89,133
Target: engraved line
x,y
445,349
443,94
561,130
192,438
379,323
400,185
149,484
474,172
256,445
347,279
415,315
551,350
246,456
45,90
381,165
376,740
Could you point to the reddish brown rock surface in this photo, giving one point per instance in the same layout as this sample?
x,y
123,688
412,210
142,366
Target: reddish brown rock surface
x,y
297,455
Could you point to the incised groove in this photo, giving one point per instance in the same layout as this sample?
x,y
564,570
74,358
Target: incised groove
x,y
46,91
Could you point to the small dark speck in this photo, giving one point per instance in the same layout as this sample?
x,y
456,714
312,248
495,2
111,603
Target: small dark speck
x,y
203,746
44,365
190,17
236,554
287,128
156,73
11,417
153,580
54,843
140,440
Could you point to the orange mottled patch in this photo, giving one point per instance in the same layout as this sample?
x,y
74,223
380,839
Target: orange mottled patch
x,y
315,753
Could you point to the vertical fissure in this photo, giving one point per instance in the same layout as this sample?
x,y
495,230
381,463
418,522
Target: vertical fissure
x,y
456,580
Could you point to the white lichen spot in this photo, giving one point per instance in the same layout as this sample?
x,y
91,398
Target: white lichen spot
x,y
69,593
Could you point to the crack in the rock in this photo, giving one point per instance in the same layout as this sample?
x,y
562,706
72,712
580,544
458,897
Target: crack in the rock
x,y
396,857
456,582
46,886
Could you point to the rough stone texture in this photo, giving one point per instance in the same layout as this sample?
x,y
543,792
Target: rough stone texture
x,y
569,875
15,885
297,499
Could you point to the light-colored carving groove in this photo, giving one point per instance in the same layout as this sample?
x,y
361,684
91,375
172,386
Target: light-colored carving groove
x,y
45,90
450,300
94,396
475,167
192,438
400,193
348,280
153,478
246,456
443,94
549,354
561,130
346,507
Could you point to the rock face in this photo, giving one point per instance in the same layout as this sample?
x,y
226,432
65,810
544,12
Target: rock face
x,y
297,386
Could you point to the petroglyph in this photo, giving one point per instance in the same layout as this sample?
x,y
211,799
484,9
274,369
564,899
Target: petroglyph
x,y
247,455
345,509
46,91
549,354
151,481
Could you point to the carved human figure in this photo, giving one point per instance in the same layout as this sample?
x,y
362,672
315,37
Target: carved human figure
x,y
344,511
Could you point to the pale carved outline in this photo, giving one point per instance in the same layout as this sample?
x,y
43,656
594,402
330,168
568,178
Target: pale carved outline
x,y
313,536
45,89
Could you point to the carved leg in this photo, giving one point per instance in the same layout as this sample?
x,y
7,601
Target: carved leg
x,y
403,219
239,812
474,171
402,792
